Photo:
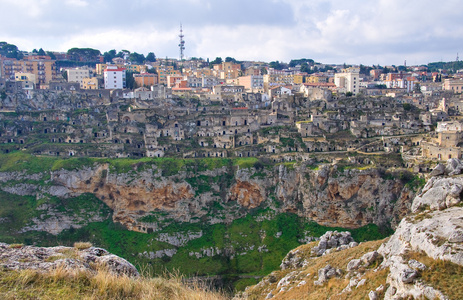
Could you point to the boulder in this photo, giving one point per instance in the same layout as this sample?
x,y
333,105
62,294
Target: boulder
x,y
334,240
453,167
354,264
117,265
45,259
438,170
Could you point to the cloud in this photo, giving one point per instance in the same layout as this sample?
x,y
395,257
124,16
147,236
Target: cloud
x,y
78,3
329,31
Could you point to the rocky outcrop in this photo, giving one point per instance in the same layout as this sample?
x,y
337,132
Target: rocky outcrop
x,y
126,195
345,198
41,259
435,229
334,240
432,232
354,198
247,194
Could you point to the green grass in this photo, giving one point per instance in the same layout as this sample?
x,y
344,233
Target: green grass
x,y
245,162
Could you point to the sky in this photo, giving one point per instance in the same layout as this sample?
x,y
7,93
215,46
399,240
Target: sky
x,y
385,32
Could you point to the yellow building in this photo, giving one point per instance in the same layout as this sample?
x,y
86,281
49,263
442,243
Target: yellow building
x,y
316,79
89,83
19,76
43,69
298,79
164,73
227,66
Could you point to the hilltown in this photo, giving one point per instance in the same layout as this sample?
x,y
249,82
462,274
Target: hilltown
x,y
193,108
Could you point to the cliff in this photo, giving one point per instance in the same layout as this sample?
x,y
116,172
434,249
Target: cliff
x,y
200,216
328,195
422,259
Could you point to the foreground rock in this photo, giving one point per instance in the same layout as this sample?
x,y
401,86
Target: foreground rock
x,y
45,259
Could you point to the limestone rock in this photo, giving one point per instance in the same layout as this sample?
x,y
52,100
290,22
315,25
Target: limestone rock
x,y
292,260
453,167
368,258
325,273
416,265
438,170
44,259
333,240
117,265
354,264
439,193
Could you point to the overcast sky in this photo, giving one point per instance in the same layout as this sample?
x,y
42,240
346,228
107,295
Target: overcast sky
x,y
382,32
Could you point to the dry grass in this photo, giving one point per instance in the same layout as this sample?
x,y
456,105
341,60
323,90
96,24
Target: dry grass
x,y
62,284
82,245
16,246
331,288
442,275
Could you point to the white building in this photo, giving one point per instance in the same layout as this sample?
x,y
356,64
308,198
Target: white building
x,y
114,78
78,75
348,80
405,83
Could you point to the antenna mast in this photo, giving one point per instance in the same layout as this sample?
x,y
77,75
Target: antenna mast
x,y
182,43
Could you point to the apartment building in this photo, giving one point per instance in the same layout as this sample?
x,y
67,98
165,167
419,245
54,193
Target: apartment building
x,y
78,75
348,80
114,78
145,79
100,68
454,85
43,67
252,82
89,83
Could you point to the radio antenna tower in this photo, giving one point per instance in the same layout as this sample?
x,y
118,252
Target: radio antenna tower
x,y
182,43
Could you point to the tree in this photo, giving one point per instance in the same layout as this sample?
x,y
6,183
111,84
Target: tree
x,y
263,71
151,57
137,58
230,59
216,61
407,106
151,70
417,88
276,65
84,54
108,56
305,67
295,62
41,52
10,51
129,80
52,56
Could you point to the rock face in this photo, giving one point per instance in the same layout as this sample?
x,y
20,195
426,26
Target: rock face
x,y
125,195
247,194
349,198
41,259
353,198
435,228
